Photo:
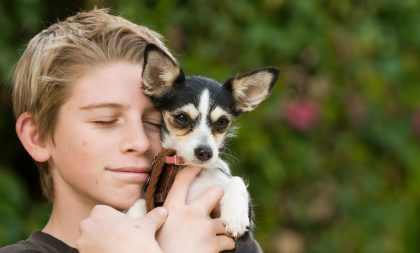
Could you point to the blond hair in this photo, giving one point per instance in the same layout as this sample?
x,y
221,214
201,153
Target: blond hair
x,y
59,55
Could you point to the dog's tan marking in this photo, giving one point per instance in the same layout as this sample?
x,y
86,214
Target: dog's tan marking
x,y
217,113
170,120
170,125
189,109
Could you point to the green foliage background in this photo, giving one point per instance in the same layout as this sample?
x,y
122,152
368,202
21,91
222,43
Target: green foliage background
x,y
332,158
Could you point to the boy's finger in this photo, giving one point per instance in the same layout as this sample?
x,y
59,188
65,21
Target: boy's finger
x,y
156,217
209,199
225,243
182,182
219,227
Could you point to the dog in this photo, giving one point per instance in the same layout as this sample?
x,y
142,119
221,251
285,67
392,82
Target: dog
x,y
197,118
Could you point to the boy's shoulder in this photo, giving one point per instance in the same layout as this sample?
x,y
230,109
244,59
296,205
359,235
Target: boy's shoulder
x,y
39,242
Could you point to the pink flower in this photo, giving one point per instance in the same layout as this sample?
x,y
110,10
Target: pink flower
x,y
301,114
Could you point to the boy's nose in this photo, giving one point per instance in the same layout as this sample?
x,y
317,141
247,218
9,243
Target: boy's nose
x,y
135,140
203,153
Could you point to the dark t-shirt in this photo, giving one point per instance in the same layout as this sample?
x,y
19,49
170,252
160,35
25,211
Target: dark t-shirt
x,y
39,242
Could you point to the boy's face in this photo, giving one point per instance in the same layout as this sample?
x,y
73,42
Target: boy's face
x,y
105,139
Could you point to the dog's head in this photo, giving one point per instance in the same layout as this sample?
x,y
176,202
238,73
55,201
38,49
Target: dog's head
x,y
197,112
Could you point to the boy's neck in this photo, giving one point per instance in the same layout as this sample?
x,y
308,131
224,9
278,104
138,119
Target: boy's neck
x,y
65,219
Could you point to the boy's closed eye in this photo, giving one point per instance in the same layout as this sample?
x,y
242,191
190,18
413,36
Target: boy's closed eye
x,y
152,122
152,119
103,114
105,122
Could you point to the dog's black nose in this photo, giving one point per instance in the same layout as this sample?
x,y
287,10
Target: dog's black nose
x,y
203,153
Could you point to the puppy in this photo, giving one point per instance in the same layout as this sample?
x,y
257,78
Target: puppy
x,y
197,118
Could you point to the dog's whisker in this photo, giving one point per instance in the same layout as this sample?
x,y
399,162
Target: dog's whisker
x,y
229,156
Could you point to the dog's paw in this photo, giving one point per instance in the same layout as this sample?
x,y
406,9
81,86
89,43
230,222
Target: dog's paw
x,y
236,225
138,210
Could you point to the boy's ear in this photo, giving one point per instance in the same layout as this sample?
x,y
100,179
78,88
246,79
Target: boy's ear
x,y
160,72
250,89
29,137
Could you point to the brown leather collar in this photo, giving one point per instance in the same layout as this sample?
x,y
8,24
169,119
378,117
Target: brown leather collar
x,y
164,168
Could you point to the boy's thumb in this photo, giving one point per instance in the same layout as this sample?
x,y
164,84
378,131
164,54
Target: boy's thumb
x,y
157,216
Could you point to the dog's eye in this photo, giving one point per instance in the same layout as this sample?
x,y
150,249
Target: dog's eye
x,y
182,119
221,124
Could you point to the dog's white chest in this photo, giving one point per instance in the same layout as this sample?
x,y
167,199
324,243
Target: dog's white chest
x,y
206,179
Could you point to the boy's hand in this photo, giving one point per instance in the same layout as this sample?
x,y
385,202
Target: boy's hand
x,y
188,227
108,230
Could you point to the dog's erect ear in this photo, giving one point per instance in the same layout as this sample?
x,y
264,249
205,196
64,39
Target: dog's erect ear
x,y
250,89
160,72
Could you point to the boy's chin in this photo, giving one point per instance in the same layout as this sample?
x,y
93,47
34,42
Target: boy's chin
x,y
122,205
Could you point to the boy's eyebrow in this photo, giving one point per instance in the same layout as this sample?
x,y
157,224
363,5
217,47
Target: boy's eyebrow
x,y
150,109
102,105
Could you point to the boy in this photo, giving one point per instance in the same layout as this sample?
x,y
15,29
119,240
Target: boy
x,y
83,118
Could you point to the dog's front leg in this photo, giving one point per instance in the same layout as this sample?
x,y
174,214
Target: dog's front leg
x,y
234,207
